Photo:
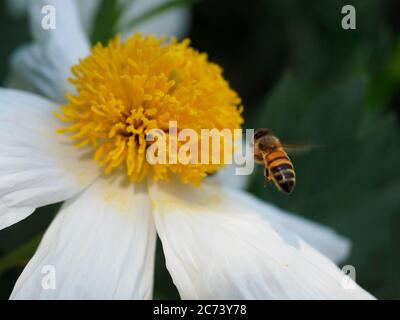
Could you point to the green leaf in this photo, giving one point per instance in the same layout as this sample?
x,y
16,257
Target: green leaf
x,y
110,12
156,10
352,183
106,19
386,81
20,256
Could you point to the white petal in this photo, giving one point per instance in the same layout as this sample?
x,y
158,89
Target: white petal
x,y
325,240
218,248
322,238
174,22
228,175
47,61
18,81
87,11
37,165
101,245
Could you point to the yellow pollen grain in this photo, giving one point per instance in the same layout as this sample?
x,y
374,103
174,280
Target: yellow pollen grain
x,y
128,88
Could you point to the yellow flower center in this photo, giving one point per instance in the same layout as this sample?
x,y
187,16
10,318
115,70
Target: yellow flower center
x,y
128,88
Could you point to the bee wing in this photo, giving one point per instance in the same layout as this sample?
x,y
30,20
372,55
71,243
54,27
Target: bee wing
x,y
299,147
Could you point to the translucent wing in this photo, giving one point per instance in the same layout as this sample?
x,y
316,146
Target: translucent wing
x,y
299,147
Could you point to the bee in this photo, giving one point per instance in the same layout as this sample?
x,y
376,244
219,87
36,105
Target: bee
x,y
278,168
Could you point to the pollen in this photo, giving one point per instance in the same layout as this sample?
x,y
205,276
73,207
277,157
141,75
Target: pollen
x,y
130,87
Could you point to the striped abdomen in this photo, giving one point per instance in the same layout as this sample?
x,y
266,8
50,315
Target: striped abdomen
x,y
280,170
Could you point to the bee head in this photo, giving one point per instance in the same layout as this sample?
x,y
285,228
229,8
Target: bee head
x,y
261,132
265,140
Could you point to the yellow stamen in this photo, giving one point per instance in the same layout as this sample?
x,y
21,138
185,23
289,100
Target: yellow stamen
x,y
128,88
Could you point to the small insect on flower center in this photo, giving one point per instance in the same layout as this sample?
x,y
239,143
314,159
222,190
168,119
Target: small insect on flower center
x,y
128,88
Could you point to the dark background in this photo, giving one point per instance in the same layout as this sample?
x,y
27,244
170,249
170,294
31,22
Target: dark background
x,y
300,74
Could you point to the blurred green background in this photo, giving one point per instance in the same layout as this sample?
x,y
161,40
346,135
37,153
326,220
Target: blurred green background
x,y
300,74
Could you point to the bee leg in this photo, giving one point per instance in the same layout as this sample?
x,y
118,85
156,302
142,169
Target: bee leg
x,y
267,177
266,182
258,159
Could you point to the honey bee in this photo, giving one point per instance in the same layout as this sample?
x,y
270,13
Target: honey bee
x,y
278,168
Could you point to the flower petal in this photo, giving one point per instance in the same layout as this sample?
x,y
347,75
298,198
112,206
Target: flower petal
x,y
228,175
87,11
46,62
101,245
218,248
173,22
322,238
37,165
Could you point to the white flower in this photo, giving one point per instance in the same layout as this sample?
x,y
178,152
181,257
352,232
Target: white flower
x,y
171,22
75,18
219,242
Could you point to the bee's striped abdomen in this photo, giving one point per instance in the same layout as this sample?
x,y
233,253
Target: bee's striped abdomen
x,y
281,170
